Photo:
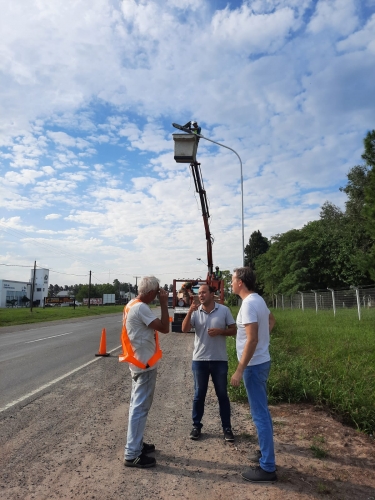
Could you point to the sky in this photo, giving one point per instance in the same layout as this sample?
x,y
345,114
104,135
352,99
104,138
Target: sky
x,y
88,94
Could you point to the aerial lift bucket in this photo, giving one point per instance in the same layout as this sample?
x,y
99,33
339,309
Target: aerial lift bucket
x,y
185,148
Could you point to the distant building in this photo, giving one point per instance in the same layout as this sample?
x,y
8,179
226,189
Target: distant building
x,y
65,293
12,292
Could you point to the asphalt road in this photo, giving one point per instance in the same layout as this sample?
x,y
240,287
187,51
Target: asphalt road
x,y
33,356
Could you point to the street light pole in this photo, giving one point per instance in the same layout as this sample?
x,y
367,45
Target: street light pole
x,y
180,127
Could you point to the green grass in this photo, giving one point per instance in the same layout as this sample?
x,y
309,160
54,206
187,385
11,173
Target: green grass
x,y
20,316
322,359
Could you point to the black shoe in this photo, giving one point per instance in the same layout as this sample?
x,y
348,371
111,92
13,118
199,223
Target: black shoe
x,y
195,433
254,456
148,448
258,475
228,434
141,462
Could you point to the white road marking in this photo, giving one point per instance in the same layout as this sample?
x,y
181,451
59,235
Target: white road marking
x,y
45,338
45,386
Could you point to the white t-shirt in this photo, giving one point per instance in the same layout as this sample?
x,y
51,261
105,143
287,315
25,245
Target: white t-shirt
x,y
254,310
142,338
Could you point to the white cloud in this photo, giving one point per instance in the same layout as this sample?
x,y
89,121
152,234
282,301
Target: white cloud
x,y
24,177
338,15
52,216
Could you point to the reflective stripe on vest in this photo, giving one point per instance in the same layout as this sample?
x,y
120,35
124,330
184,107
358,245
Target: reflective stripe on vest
x,y
127,349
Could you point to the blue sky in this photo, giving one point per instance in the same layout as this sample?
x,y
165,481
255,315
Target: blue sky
x,y
88,94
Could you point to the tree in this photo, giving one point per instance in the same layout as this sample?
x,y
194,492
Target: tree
x,y
25,300
355,191
369,153
227,278
257,245
166,287
369,201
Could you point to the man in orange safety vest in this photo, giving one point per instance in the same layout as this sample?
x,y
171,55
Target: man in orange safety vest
x,y
141,350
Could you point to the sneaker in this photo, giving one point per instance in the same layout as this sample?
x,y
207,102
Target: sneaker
x,y
148,448
228,434
141,462
254,456
195,433
258,475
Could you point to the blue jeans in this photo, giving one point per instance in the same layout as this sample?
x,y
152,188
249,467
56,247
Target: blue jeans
x,y
255,379
219,373
143,387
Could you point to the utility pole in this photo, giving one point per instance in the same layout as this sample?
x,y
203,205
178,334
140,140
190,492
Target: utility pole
x,y
32,288
89,290
136,286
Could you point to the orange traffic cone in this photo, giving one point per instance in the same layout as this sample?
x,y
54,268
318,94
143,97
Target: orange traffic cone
x,y
102,345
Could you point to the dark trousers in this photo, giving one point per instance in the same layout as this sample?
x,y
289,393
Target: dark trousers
x,y
219,373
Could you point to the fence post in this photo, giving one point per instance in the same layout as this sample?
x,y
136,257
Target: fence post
x,y
302,303
333,300
282,301
316,300
358,303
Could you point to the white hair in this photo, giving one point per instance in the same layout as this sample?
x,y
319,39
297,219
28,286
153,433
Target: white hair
x,y
148,284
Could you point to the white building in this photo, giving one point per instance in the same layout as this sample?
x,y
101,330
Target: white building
x,y
15,290
40,284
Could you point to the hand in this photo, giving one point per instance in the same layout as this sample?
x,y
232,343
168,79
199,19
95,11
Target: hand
x,y
163,297
213,332
236,378
193,307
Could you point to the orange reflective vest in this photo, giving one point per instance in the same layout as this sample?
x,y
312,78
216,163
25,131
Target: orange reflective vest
x,y
127,349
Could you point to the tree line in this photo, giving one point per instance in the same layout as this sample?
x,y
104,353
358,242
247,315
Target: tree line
x,y
81,291
336,251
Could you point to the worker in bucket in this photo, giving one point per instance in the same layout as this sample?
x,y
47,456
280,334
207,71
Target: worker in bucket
x,y
193,127
218,274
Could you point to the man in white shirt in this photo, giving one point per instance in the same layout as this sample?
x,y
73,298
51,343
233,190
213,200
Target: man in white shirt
x,y
254,324
141,326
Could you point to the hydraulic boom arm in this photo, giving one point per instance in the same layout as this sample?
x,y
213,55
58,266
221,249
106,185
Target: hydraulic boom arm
x,y
199,187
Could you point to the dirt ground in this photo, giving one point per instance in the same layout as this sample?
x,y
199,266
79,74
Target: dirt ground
x,y
68,443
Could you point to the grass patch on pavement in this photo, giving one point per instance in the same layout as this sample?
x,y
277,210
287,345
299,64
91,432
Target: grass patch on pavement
x,y
321,359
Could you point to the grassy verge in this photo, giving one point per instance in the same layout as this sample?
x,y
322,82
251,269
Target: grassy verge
x,y
22,316
323,360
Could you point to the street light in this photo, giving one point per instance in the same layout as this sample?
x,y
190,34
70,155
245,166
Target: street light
x,y
180,127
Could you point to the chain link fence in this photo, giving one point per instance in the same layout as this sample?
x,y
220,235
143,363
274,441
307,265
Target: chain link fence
x,y
329,299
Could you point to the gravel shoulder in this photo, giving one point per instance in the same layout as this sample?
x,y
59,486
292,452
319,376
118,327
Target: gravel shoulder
x,y
68,443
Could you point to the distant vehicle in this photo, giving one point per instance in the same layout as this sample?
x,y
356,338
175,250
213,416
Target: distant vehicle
x,y
170,299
